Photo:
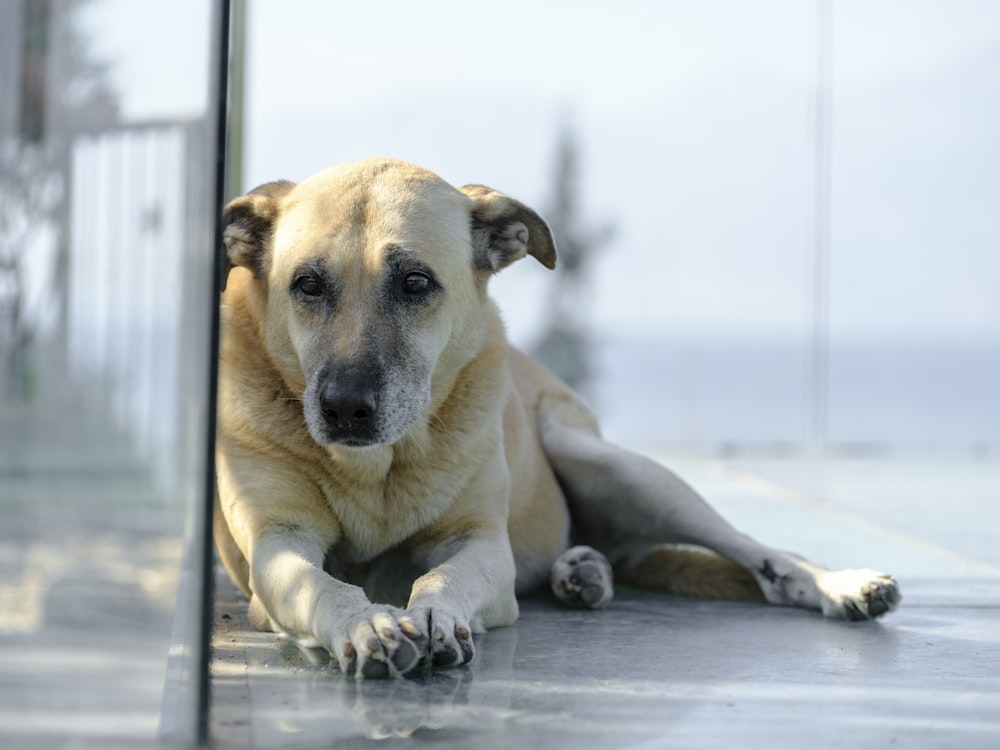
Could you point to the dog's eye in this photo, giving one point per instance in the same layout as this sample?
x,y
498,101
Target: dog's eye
x,y
309,286
416,282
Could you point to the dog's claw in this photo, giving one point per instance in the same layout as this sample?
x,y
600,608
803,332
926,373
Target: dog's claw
x,y
387,642
380,643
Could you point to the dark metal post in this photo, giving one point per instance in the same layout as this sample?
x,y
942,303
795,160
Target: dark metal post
x,y
221,98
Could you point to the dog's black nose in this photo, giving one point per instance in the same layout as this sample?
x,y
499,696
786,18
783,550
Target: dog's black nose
x,y
349,409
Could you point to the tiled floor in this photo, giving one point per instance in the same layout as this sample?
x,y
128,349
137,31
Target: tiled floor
x,y
653,671
89,560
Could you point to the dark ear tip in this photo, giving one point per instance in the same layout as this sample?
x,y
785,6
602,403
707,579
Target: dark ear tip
x,y
544,246
225,266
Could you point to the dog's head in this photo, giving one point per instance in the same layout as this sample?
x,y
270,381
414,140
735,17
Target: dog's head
x,y
372,279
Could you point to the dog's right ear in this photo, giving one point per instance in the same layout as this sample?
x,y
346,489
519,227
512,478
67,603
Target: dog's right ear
x,y
248,221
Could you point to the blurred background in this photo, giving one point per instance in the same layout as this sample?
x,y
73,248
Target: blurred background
x,y
777,220
786,210
783,212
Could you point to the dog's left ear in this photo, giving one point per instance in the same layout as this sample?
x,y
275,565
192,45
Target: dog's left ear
x,y
505,230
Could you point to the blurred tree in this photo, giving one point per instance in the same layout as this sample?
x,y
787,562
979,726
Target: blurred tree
x,y
60,91
565,344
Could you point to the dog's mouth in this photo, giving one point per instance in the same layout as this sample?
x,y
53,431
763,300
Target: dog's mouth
x,y
326,431
329,432
354,442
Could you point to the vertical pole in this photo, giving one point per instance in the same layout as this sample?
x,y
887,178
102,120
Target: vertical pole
x,y
819,369
219,147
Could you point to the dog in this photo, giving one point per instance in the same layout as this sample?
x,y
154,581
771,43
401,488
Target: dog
x,y
392,473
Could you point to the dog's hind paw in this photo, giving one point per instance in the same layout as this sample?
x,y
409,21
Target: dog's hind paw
x,y
858,594
582,577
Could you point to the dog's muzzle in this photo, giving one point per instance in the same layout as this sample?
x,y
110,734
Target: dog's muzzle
x,y
344,407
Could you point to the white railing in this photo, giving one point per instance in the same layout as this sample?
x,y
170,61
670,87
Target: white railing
x,y
125,301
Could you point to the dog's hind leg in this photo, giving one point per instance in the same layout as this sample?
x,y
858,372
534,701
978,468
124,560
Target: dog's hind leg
x,y
629,507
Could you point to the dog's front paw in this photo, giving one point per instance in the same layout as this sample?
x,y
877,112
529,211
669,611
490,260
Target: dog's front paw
x,y
381,642
449,637
858,594
582,577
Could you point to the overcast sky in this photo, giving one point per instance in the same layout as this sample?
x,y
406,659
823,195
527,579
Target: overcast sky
x,y
695,124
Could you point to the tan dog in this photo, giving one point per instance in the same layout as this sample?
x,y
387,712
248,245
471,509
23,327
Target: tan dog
x,y
391,473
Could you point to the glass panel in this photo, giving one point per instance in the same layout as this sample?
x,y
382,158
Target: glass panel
x,y
107,188
698,133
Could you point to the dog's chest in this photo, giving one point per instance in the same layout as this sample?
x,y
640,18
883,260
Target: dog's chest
x,y
383,517
384,498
